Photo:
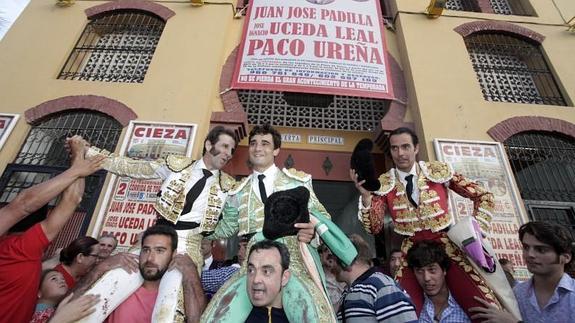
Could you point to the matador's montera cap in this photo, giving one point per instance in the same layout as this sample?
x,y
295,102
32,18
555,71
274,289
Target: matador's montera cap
x,y
363,164
283,209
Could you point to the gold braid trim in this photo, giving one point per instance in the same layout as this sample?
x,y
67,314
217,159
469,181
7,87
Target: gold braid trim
x,y
227,182
297,174
436,171
387,181
406,244
458,257
178,163
238,186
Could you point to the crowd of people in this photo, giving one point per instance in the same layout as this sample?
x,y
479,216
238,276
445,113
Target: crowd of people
x,y
293,263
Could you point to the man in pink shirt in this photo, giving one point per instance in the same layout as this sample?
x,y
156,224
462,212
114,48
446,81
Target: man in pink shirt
x,y
158,254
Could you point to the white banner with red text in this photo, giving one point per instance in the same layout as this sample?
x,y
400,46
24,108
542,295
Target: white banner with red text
x,y
314,46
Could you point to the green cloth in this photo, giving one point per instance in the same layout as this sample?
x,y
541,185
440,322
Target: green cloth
x,y
302,300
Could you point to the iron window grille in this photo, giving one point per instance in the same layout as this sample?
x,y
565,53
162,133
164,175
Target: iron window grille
x,y
115,47
462,5
43,155
510,69
512,7
501,7
543,165
312,111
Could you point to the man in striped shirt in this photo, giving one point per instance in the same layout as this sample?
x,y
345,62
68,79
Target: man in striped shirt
x,y
370,296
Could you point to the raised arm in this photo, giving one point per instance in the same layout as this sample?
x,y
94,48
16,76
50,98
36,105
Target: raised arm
x,y
371,208
194,298
33,198
128,167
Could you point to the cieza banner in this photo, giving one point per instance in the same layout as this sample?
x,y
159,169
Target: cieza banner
x,y
7,123
486,163
314,46
129,206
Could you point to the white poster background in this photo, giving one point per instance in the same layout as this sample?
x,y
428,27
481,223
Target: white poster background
x,y
129,203
314,46
487,164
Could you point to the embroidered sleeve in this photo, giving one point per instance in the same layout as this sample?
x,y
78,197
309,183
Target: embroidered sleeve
x,y
372,217
483,200
126,166
227,182
314,205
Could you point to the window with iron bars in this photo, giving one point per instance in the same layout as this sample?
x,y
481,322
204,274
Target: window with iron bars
x,y
510,69
462,5
312,111
544,167
512,7
115,47
43,155
502,7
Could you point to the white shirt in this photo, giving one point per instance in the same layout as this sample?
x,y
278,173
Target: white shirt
x,y
270,174
196,214
208,263
402,175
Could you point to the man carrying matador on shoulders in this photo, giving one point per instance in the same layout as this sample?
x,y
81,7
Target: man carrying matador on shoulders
x,y
191,199
416,196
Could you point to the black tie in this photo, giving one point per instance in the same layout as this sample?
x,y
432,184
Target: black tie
x,y
262,186
195,191
409,189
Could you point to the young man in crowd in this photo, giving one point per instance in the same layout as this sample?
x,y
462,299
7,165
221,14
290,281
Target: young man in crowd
x,y
549,296
158,254
430,263
395,258
268,273
370,295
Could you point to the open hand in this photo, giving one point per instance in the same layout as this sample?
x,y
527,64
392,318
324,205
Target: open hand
x,y
70,311
127,261
491,314
306,231
365,194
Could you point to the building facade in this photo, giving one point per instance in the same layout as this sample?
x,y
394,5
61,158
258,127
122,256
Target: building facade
x,y
484,70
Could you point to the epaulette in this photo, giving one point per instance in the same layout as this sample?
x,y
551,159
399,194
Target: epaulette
x,y
436,171
227,182
387,181
297,174
239,185
178,163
